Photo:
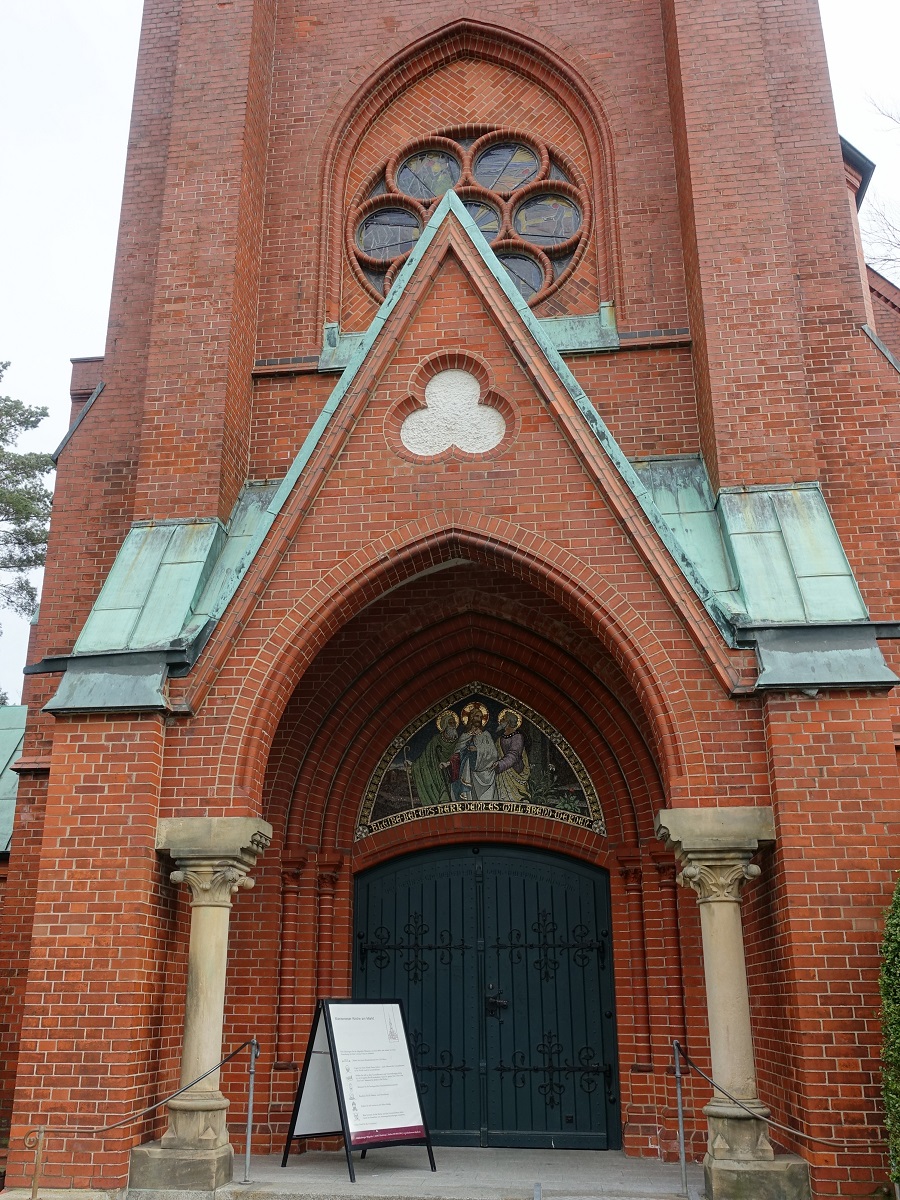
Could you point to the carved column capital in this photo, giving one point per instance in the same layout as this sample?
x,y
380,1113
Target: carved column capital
x,y
713,847
716,876
631,871
328,881
665,869
213,855
328,874
212,882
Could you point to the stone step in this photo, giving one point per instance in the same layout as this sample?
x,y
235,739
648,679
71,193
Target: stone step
x,y
401,1173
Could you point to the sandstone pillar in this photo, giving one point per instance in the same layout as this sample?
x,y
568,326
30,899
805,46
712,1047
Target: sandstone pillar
x,y
714,848
213,857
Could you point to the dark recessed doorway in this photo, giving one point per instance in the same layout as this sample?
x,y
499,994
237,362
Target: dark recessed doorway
x,y
502,957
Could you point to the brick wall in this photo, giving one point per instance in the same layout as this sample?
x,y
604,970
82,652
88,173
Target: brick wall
x,y
886,306
719,203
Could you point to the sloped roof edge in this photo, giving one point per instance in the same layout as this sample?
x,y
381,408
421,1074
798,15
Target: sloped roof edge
x,y
451,204
214,581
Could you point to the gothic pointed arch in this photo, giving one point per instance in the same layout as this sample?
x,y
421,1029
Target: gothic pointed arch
x,y
432,84
636,648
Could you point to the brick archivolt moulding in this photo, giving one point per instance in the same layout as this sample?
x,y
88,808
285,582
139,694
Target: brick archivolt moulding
x,y
452,410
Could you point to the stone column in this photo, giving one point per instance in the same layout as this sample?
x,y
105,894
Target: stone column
x,y
714,848
213,856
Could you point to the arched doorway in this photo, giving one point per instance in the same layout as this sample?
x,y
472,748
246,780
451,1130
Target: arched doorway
x,y
502,956
349,800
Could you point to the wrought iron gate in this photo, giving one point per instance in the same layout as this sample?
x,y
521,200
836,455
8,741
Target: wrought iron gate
x,y
502,958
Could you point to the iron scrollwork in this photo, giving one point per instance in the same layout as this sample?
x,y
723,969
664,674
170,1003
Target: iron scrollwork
x,y
556,1070
581,944
445,1069
415,965
551,1088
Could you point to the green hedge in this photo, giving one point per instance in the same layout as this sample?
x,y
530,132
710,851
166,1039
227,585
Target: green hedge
x,y
890,1020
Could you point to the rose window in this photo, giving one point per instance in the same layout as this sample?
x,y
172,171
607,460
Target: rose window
x,y
524,196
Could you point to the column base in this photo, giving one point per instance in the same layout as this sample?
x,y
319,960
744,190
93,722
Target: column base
x,y
176,1171
782,1178
735,1135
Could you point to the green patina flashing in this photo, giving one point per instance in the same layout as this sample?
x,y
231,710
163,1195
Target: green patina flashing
x,y
169,584
772,555
570,335
873,337
12,737
113,682
168,578
580,335
154,583
248,526
783,547
755,555
338,348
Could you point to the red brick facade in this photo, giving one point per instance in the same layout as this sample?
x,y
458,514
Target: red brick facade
x,y
705,139
886,306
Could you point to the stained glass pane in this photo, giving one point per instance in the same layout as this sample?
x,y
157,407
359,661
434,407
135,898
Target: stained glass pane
x,y
485,217
556,172
506,166
547,220
376,278
428,174
388,232
525,273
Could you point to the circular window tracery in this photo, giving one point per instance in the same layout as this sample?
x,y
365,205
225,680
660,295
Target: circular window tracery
x,y
488,218
506,166
526,272
523,197
387,233
547,220
428,174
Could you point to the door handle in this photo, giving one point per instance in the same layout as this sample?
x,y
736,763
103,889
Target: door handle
x,y
493,1005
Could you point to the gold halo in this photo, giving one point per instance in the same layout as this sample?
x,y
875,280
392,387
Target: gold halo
x,y
470,708
447,712
510,712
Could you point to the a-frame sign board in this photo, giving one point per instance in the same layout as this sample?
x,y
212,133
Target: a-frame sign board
x,y
358,1080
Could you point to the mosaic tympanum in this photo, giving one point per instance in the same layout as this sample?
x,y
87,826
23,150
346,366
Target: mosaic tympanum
x,y
479,750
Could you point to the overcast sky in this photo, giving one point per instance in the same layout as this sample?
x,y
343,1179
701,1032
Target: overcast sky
x,y
66,78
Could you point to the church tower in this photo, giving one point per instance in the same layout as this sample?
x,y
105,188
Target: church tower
x,y
482,522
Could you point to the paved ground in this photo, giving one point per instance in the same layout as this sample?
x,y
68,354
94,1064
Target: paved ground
x,y
402,1173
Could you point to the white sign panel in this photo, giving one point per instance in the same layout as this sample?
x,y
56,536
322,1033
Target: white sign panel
x,y
376,1072
358,1080
318,1110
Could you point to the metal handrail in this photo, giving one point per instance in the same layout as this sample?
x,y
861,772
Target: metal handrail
x,y
809,1137
35,1139
679,1053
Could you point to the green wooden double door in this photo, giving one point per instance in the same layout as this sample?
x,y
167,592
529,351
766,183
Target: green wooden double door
x,y
502,959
